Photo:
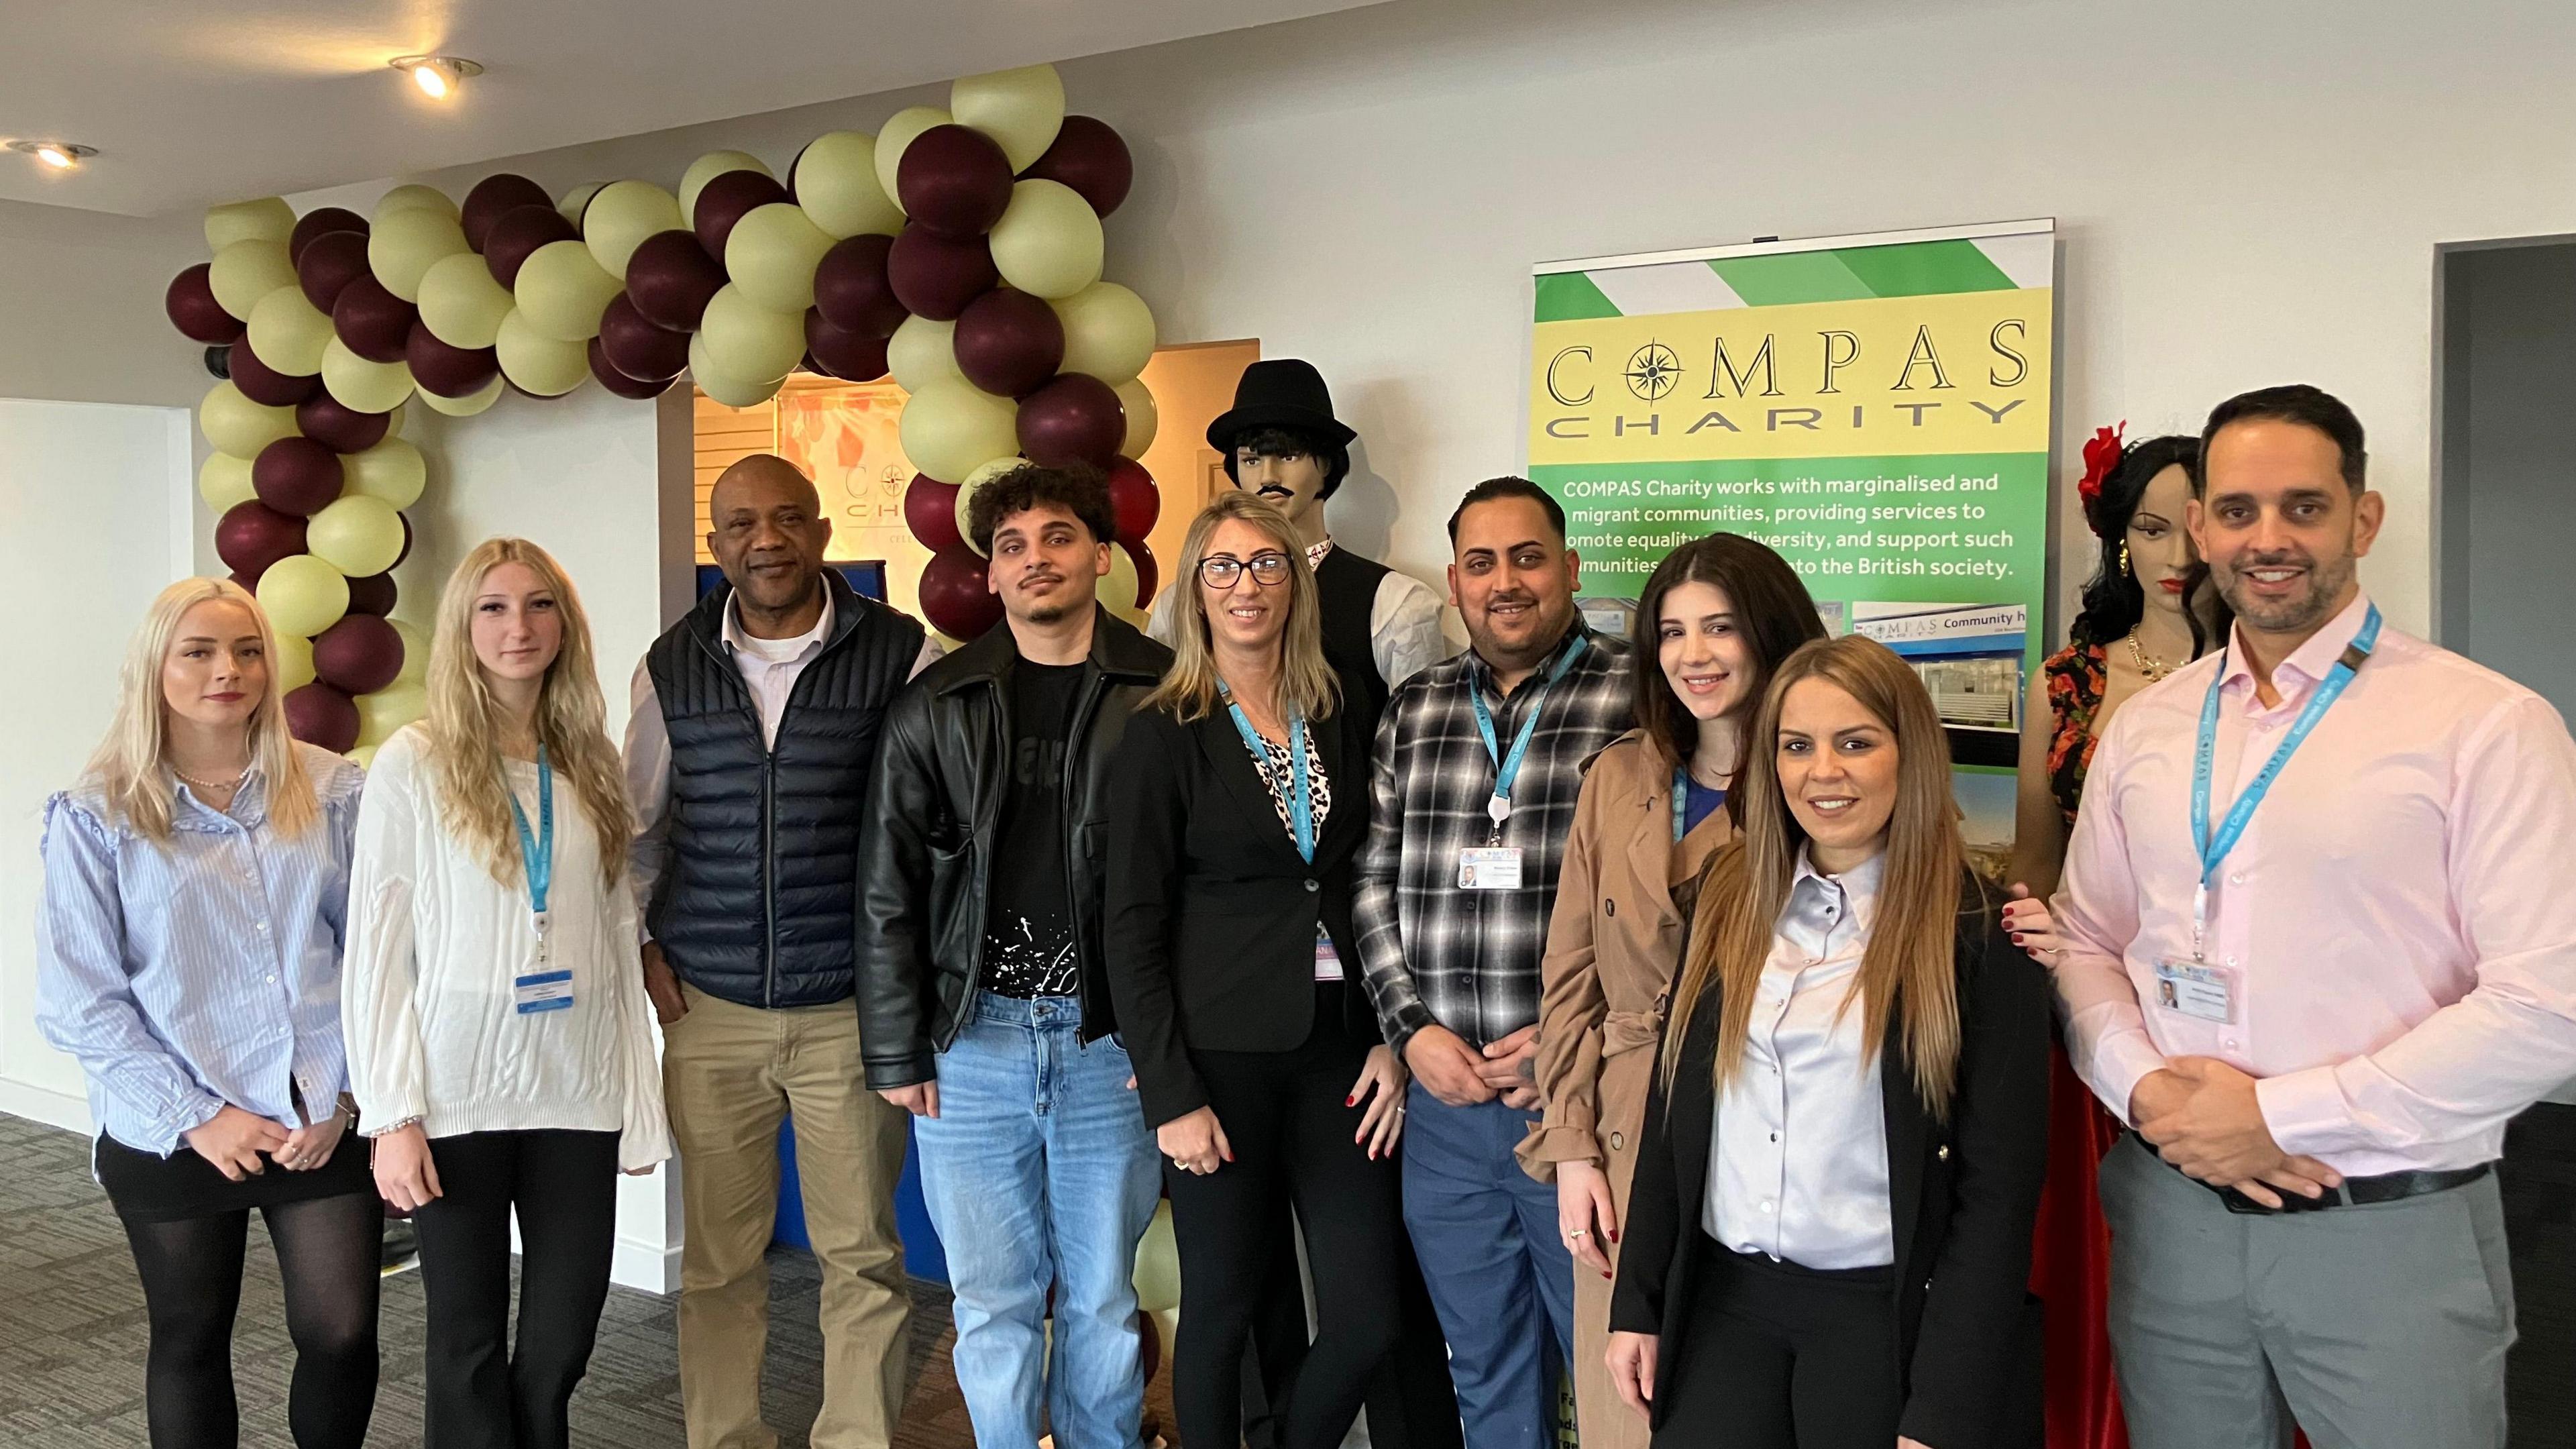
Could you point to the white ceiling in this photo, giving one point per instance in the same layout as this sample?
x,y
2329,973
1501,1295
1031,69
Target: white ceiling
x,y
193,102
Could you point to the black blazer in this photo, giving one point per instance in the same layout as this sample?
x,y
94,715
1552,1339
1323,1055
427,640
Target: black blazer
x,y
1211,913
1962,1197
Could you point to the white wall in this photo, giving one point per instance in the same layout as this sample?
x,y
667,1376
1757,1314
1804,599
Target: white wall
x,y
93,525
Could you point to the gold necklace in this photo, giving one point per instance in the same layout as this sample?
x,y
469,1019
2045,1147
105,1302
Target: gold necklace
x,y
2153,668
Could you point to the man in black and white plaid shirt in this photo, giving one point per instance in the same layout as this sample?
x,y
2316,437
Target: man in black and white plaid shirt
x,y
1455,889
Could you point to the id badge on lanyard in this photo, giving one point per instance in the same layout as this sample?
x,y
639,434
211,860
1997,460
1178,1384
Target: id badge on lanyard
x,y
542,987
1496,866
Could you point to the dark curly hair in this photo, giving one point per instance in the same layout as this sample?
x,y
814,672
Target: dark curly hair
x,y
1080,491
1276,442
2112,600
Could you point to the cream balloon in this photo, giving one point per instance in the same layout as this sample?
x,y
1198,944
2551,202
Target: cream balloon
x,y
225,481
248,270
303,595
772,253
413,198
288,332
575,200
392,471
621,216
356,534
707,168
460,304
562,290
922,352
951,428
388,709
900,130
360,385
236,425
1118,588
267,219
466,406
836,183
1022,109
1108,332
1048,242
974,483
748,341
1157,1274
404,246
1143,419
716,383
293,668
415,665
545,366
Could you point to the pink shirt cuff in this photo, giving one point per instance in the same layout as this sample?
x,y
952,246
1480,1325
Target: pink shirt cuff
x,y
2306,1112
2120,1062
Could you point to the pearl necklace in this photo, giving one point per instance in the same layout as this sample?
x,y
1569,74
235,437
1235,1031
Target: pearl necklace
x,y
232,784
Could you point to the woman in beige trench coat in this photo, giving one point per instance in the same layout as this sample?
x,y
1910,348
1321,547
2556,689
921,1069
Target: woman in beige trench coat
x,y
1717,616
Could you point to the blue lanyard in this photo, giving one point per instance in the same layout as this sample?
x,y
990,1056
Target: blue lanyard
x,y
1507,767
1681,802
538,854
1301,809
2214,849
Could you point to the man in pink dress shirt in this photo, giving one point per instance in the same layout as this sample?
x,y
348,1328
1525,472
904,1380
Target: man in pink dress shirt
x,y
2370,971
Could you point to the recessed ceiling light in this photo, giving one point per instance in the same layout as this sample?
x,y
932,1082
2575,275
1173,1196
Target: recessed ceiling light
x,y
438,76
58,155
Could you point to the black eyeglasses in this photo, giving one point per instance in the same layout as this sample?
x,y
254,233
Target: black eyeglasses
x,y
1269,570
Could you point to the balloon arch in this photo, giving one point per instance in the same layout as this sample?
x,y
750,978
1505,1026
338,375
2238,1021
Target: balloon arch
x,y
958,250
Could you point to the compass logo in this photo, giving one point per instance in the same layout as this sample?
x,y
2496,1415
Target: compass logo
x,y
1652,371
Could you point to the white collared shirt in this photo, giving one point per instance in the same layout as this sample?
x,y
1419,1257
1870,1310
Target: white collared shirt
x,y
1798,1146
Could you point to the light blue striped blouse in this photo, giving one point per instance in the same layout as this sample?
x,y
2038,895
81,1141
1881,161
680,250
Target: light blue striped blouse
x,y
202,972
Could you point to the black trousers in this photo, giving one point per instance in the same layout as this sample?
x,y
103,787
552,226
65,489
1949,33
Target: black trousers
x,y
1412,1404
484,1392
1288,1118
1784,1357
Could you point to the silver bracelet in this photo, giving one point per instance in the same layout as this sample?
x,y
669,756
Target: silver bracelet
x,y
390,1128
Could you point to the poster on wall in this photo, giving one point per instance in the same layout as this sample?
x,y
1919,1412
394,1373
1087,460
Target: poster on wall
x,y
1876,407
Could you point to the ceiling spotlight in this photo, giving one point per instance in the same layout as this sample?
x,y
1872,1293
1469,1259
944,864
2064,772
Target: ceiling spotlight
x,y
59,155
438,76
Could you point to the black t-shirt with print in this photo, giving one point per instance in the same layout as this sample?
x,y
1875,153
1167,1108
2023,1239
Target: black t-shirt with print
x,y
1028,917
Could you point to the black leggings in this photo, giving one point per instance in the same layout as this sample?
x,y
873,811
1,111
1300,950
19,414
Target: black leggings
x,y
1286,1116
482,1393
327,1251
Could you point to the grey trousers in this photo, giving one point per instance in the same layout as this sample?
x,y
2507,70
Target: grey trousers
x,y
2377,1327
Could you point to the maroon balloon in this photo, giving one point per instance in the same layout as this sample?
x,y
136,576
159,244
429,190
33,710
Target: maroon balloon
x,y
251,536
319,715
494,197
1134,499
330,263
618,382
298,476
373,594
247,583
372,322
1009,343
449,371
264,384
1075,419
195,312
836,352
337,426
1148,573
638,348
725,200
320,222
358,655
852,291
930,511
936,276
517,233
1089,157
671,279
954,597
954,180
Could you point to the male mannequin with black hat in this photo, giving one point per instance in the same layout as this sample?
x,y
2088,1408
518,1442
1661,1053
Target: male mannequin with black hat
x,y
1281,440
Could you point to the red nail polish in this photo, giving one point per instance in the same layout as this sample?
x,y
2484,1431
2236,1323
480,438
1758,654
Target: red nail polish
x,y
1350,1101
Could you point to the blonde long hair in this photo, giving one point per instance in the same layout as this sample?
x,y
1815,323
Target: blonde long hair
x,y
1910,965
129,767
464,720
1190,689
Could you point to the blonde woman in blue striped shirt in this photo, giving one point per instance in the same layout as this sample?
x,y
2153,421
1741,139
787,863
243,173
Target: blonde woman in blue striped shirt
x,y
188,955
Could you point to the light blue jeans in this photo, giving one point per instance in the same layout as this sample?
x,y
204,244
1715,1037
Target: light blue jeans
x,y
1038,1173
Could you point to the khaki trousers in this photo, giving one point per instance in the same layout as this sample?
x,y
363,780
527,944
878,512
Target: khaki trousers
x,y
729,1072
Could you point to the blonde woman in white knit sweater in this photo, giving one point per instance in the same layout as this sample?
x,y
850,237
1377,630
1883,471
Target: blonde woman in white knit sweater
x,y
500,1041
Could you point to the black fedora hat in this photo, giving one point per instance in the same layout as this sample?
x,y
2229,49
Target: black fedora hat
x,y
1281,392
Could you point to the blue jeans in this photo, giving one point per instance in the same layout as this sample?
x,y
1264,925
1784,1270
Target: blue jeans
x,y
1038,1173
1486,1234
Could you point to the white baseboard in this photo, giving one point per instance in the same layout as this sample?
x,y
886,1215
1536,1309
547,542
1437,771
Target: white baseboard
x,y
67,1110
646,1267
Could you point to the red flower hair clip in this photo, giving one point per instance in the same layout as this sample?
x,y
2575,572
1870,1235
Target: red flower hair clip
x,y
2101,455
